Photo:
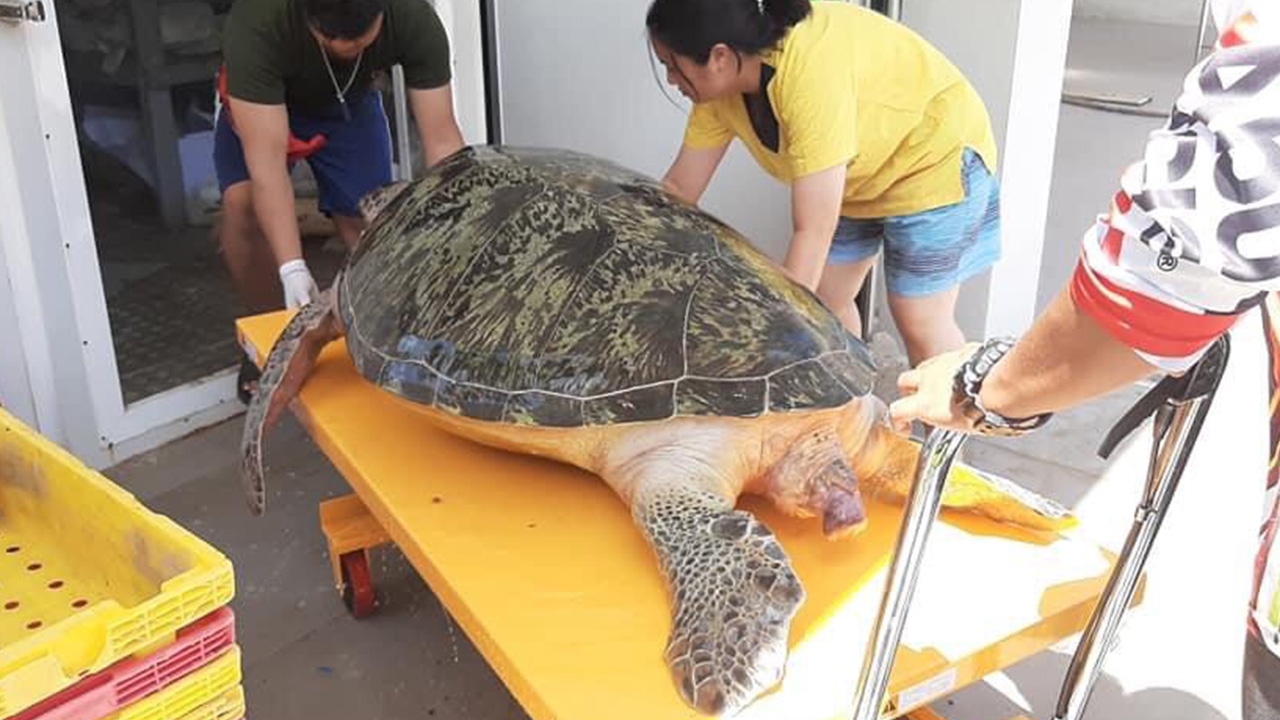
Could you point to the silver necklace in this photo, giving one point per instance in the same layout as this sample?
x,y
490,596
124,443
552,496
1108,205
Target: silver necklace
x,y
341,93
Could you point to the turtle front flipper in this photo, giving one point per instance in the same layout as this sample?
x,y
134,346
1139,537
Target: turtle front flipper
x,y
287,366
734,591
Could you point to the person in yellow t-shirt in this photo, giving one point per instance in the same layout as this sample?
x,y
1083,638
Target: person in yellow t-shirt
x,y
880,137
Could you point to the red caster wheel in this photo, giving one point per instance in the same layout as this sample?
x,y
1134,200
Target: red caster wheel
x,y
357,585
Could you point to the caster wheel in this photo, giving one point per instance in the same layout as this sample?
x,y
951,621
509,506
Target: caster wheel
x,y
357,585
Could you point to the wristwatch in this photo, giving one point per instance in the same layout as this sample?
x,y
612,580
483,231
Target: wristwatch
x,y
968,386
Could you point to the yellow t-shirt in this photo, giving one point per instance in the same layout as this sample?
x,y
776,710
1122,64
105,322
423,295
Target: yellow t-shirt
x,y
851,87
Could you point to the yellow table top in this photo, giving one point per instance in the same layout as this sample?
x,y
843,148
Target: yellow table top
x,y
543,568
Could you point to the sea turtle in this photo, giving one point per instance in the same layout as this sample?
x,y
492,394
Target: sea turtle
x,y
550,302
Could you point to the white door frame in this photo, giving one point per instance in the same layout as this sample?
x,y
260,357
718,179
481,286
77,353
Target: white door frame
x,y
1030,143
52,265
462,22
19,388
15,382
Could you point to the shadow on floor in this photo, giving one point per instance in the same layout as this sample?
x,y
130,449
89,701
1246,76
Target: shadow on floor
x,y
305,658
1163,703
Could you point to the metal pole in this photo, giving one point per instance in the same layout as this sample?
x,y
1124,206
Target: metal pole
x,y
922,509
400,99
1205,7
1183,405
1086,665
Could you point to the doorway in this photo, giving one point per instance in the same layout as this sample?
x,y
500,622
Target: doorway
x,y
141,80
119,330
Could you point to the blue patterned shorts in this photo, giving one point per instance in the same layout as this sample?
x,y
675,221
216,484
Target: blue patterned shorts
x,y
934,250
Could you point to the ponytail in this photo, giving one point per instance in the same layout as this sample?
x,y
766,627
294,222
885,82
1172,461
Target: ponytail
x,y
786,13
692,27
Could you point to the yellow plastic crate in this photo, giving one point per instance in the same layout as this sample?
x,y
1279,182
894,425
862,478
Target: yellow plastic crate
x,y
194,697
228,707
88,576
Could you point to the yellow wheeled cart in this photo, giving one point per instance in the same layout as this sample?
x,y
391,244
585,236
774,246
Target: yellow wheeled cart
x,y
545,571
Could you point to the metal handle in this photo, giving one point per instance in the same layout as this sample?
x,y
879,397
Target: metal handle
x,y
399,96
922,509
1180,406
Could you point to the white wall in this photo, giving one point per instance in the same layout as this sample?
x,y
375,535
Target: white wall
x,y
607,101
1165,12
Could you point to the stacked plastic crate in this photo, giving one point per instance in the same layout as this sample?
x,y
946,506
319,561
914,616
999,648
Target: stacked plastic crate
x,y
107,610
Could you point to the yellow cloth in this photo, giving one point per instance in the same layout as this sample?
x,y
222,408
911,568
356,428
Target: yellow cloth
x,y
852,87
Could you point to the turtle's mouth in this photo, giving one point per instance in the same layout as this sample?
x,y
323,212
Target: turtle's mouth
x,y
843,514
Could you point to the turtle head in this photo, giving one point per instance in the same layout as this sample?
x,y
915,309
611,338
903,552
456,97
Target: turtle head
x,y
375,201
813,479
843,513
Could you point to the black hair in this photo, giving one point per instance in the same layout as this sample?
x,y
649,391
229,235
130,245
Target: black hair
x,y
692,27
343,19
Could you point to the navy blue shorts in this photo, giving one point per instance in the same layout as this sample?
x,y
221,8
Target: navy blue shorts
x,y
355,161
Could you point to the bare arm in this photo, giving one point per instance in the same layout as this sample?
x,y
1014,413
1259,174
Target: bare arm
x,y
437,126
691,172
1065,359
264,133
815,211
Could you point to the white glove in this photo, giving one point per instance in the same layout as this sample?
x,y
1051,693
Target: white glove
x,y
299,287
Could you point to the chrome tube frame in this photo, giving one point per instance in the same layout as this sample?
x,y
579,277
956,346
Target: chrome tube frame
x,y
922,509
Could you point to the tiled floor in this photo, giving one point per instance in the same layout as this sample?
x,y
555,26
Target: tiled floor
x,y
170,300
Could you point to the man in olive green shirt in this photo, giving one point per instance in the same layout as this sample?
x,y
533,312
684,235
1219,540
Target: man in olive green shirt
x,y
297,83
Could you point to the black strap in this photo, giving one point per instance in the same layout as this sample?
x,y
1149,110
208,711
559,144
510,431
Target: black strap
x,y
1200,380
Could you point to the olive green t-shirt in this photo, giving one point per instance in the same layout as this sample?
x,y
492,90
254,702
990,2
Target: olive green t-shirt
x,y
272,58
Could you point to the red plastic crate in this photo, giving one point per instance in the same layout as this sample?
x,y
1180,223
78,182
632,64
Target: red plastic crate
x,y
129,681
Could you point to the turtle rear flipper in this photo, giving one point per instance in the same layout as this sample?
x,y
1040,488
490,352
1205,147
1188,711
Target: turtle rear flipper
x,y
287,366
968,490
734,591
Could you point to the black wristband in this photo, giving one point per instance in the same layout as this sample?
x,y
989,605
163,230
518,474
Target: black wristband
x,y
968,386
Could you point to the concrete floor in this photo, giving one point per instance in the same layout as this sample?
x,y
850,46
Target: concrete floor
x,y
1179,654
304,657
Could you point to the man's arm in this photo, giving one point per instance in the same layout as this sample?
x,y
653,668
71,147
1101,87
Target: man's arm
x,y
437,126
1065,359
264,133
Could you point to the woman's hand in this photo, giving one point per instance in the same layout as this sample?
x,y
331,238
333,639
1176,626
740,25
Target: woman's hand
x,y
815,212
691,172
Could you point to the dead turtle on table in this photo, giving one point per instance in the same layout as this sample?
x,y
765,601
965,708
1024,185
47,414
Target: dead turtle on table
x,y
548,302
